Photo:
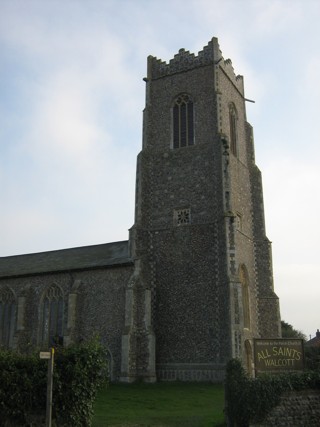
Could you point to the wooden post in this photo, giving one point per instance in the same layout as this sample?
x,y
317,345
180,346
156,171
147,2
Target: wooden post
x,y
49,389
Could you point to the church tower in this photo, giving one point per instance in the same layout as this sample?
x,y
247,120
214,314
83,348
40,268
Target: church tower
x,y
202,286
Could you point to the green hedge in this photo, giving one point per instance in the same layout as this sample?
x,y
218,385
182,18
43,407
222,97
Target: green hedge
x,y
79,371
249,400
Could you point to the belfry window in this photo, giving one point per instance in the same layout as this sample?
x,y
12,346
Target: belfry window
x,y
233,119
183,134
52,317
7,317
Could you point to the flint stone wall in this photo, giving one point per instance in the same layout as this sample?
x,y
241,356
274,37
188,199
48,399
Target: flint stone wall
x,y
296,409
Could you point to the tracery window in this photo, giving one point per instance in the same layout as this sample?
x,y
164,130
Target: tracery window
x,y
52,316
183,133
233,119
7,317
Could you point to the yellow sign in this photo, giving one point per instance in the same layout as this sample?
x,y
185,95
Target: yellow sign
x,y
278,355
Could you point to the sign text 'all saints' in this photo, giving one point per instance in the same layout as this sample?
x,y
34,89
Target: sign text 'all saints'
x,y
278,355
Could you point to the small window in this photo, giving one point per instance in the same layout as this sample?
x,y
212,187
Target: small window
x,y
52,317
183,134
182,216
7,317
233,120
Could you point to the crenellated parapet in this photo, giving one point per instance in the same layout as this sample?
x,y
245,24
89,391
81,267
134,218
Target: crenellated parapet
x,y
237,80
184,61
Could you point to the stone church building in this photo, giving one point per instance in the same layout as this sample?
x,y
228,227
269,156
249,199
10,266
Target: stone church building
x,y
193,285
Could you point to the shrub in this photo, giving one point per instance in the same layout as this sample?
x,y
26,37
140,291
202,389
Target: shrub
x,y
78,373
249,400
22,386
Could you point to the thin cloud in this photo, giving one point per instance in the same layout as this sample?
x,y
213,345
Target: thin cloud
x,y
275,17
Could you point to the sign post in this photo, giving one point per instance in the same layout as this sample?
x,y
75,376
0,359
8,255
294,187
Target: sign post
x,y
49,355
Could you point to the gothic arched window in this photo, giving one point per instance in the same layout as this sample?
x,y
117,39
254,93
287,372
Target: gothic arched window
x,y
245,296
183,134
233,120
7,317
52,316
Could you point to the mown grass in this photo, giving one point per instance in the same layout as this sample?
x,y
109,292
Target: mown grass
x,y
160,405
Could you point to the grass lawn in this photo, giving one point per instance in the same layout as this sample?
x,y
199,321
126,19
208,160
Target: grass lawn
x,y
160,405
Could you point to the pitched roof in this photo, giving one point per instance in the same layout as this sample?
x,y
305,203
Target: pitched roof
x,y
85,257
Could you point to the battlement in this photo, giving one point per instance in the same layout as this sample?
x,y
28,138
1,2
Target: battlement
x,y
185,61
227,67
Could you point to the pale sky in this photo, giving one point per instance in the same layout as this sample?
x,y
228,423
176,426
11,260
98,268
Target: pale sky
x,y
71,104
